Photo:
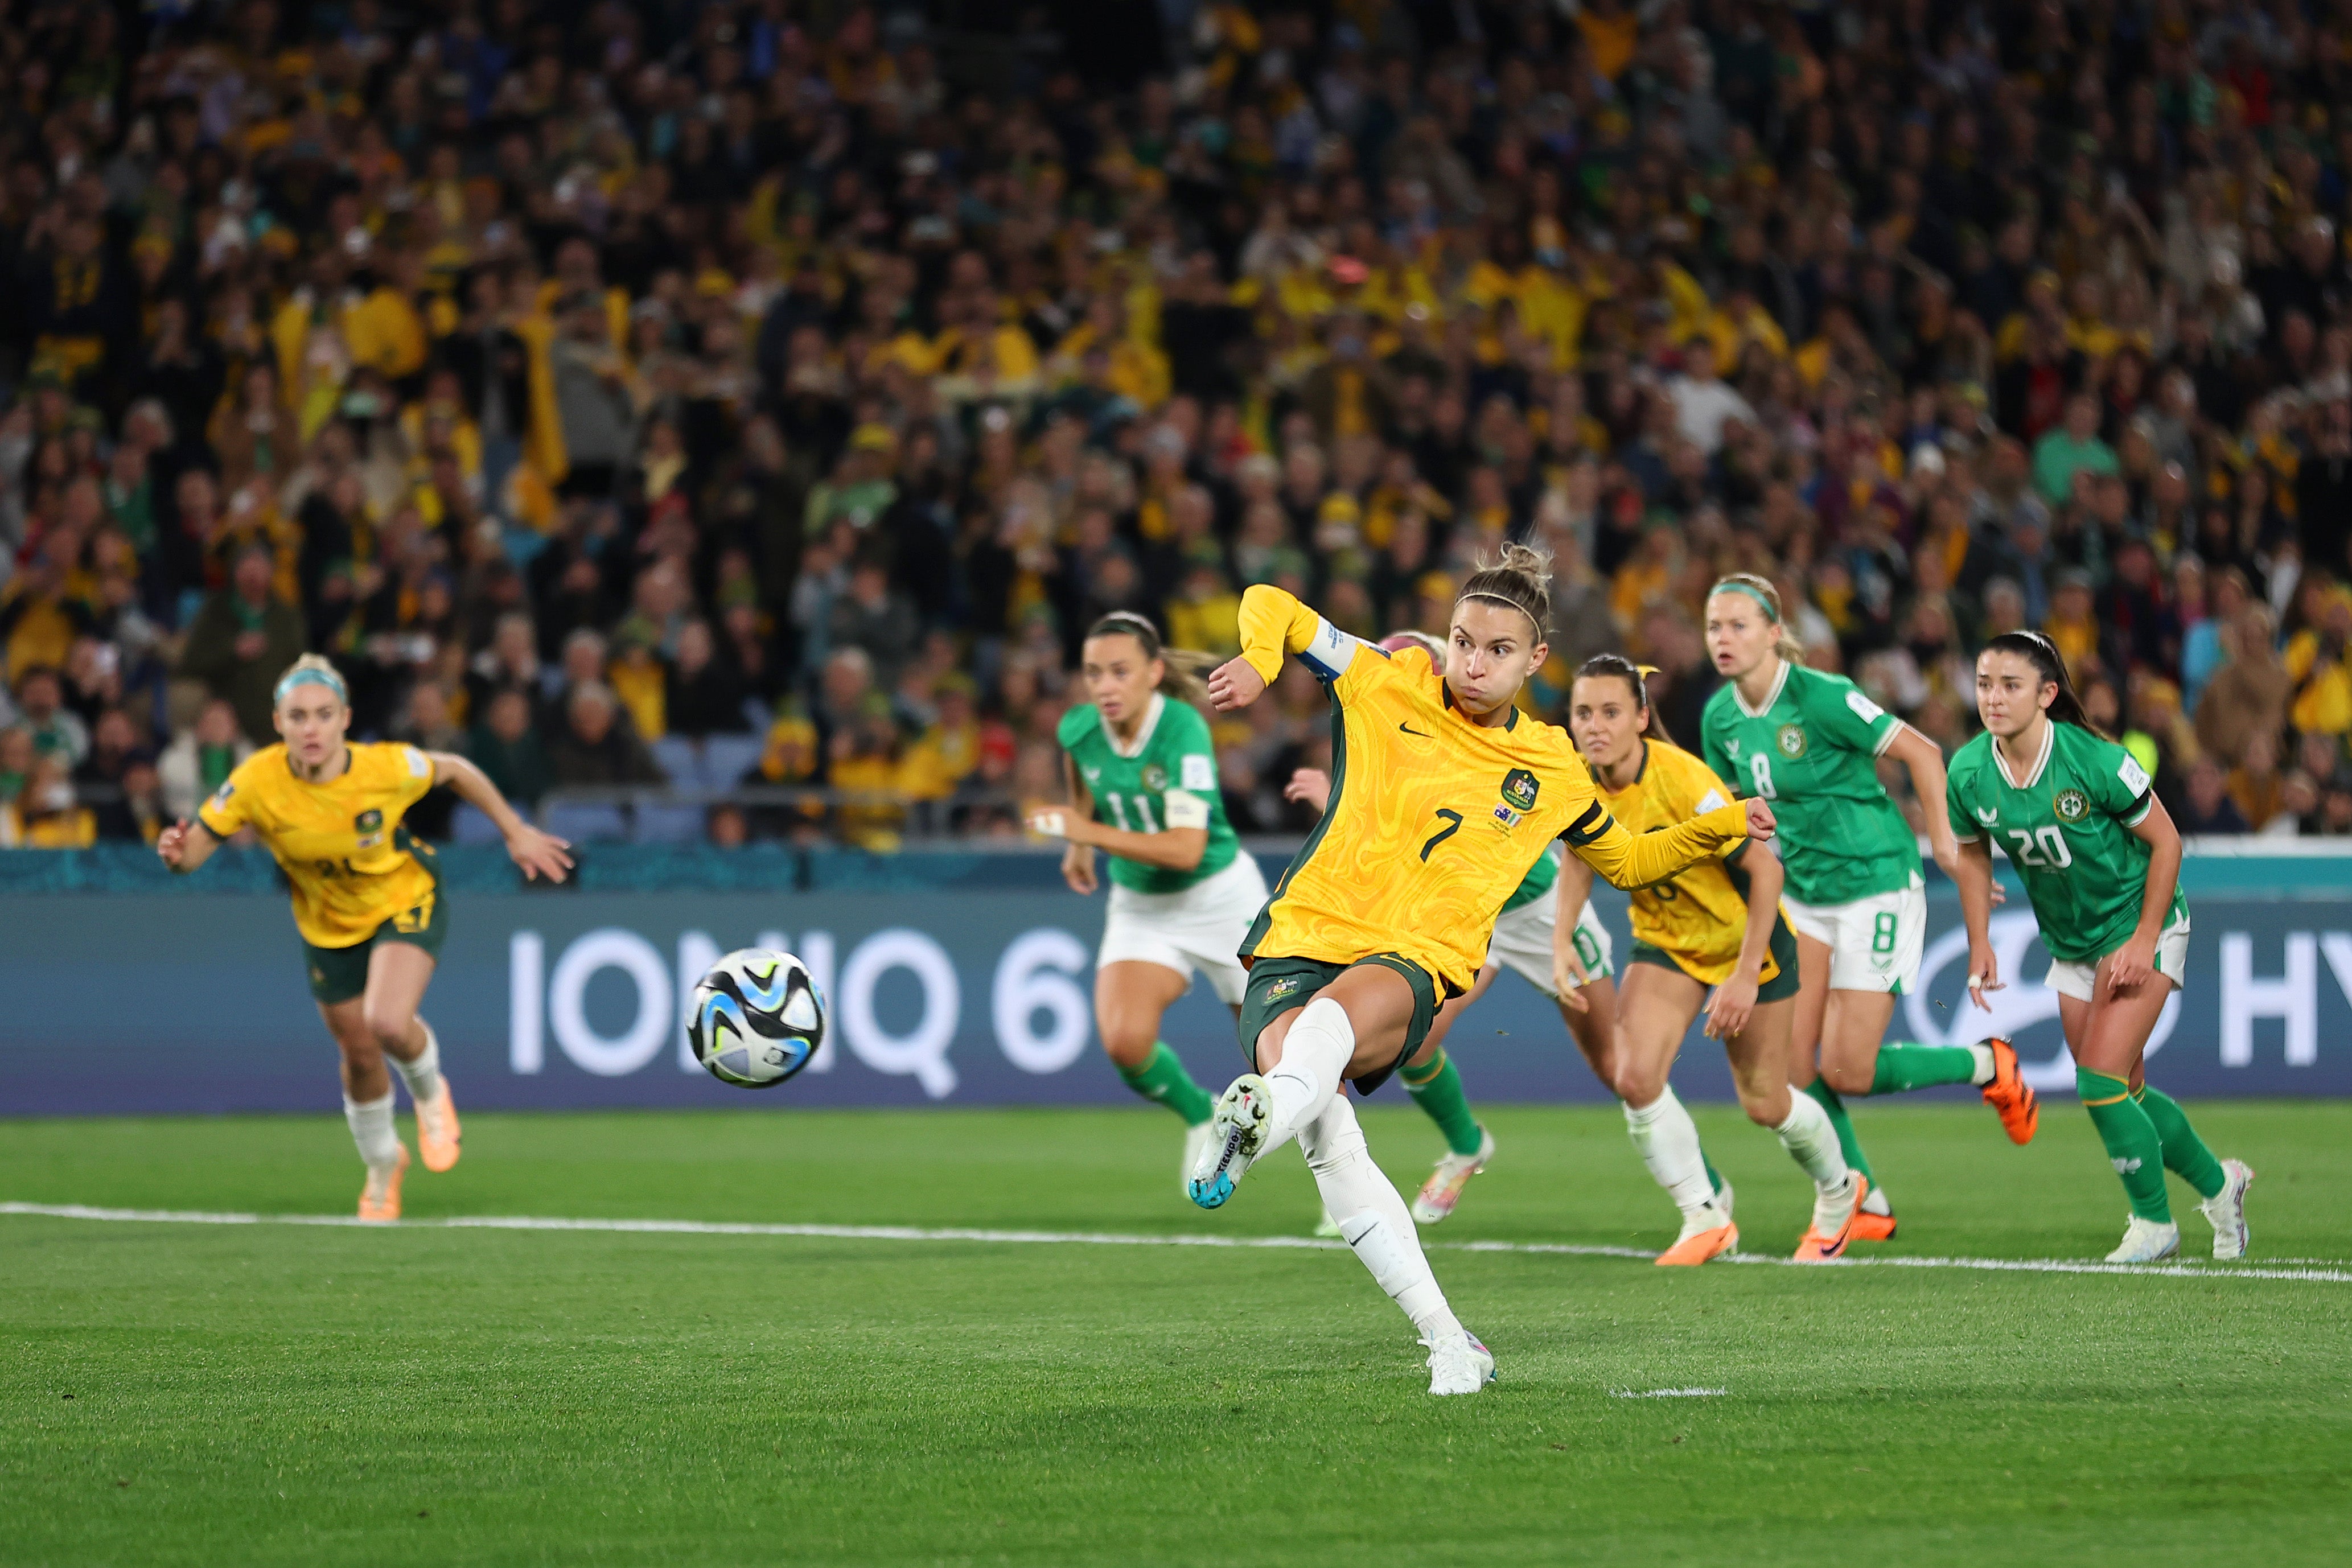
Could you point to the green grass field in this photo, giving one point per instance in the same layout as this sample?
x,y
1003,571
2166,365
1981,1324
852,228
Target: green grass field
x,y
186,1394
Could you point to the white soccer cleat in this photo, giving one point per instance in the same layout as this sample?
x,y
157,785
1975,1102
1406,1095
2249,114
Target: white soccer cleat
x,y
1723,1200
1458,1364
2146,1241
1442,1190
1236,1137
2227,1210
1196,1139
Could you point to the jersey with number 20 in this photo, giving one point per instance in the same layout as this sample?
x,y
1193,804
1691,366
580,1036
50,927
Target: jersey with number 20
x,y
1812,751
2067,827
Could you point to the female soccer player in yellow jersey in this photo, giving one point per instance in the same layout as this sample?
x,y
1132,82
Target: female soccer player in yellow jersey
x,y
1716,925
1558,947
1442,796
1809,742
367,901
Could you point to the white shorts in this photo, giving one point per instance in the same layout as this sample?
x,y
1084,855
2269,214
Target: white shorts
x,y
1203,926
2079,980
1522,940
1875,943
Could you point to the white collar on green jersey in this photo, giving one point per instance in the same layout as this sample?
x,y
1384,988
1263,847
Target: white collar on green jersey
x,y
1143,735
2049,742
1772,697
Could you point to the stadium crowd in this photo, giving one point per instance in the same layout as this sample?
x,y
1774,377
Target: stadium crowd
x,y
764,397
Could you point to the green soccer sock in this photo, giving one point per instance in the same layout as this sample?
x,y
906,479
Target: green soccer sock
x,y
2185,1153
1903,1067
1437,1090
1162,1078
1714,1176
1848,1144
2133,1146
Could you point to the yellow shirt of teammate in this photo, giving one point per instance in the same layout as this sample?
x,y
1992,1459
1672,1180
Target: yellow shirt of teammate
x,y
1434,819
1698,917
341,844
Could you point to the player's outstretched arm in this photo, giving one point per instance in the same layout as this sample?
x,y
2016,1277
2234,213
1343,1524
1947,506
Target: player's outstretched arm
x,y
185,845
1171,849
1635,859
539,855
1273,624
1568,975
1925,761
2136,959
1734,1002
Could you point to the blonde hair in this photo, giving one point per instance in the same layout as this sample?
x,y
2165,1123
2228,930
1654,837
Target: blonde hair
x,y
310,669
1520,577
1184,671
1750,585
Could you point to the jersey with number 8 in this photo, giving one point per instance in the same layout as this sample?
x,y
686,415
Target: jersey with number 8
x,y
1169,780
1812,752
2067,827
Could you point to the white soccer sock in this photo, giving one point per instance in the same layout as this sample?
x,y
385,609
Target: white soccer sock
x,y
1314,1054
1811,1141
372,1130
423,1074
1667,1140
1983,1074
1373,1218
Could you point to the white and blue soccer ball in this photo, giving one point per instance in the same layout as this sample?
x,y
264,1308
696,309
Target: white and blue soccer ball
x,y
758,1019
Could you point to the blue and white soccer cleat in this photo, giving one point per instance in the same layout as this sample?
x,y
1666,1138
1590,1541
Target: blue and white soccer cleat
x,y
2146,1241
1236,1137
2227,1210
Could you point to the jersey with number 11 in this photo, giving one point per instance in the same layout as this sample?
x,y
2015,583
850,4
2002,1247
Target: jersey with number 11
x,y
1812,751
1167,778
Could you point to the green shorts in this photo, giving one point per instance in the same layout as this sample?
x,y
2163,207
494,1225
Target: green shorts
x,y
1778,989
1277,986
339,974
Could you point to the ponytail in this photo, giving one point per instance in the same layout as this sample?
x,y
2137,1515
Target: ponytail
x,y
1748,585
2042,654
1617,666
1184,671
1519,577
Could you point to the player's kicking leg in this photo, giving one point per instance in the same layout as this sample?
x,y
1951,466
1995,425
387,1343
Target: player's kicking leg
x,y
398,973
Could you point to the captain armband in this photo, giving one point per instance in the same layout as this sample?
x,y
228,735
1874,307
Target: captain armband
x,y
1180,809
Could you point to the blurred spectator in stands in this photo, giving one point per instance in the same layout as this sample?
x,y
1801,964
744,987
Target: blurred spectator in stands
x,y
57,730
2255,783
2201,644
2248,693
2318,659
17,755
133,813
594,747
509,663
201,758
2208,810
2298,813
864,767
727,829
242,640
876,620
505,745
45,815
704,696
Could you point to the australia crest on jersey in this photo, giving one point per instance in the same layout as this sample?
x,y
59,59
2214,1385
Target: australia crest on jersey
x,y
1519,790
2071,805
1283,988
369,825
1791,740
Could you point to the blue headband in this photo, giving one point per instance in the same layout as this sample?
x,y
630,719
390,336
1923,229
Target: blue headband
x,y
327,678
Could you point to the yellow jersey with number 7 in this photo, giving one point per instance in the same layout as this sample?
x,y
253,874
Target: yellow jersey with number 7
x,y
1433,819
350,861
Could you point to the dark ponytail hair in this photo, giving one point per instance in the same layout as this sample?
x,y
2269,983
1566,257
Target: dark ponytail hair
x,y
1619,667
2042,654
1185,671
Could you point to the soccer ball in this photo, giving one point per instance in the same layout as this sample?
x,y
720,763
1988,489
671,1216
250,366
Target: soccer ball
x,y
758,1019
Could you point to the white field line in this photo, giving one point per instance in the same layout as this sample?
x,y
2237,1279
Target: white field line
x,y
2321,1271
1668,1392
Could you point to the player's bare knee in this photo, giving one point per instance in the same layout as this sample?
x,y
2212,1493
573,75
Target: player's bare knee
x,y
1848,1080
1639,1086
388,1029
1128,1046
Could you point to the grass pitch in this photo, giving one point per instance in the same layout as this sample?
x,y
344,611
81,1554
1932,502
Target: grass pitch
x,y
185,1394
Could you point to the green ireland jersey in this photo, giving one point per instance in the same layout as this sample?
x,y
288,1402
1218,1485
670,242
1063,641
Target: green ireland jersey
x,y
1168,779
1812,752
1540,879
2067,827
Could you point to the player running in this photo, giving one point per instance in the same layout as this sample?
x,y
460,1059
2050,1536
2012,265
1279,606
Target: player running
x,y
1443,794
1808,742
1562,951
2100,862
1142,778
367,901
1718,925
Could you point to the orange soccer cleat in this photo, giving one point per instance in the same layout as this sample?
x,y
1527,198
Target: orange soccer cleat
x,y
437,1129
1825,1238
2010,1095
1696,1247
380,1199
